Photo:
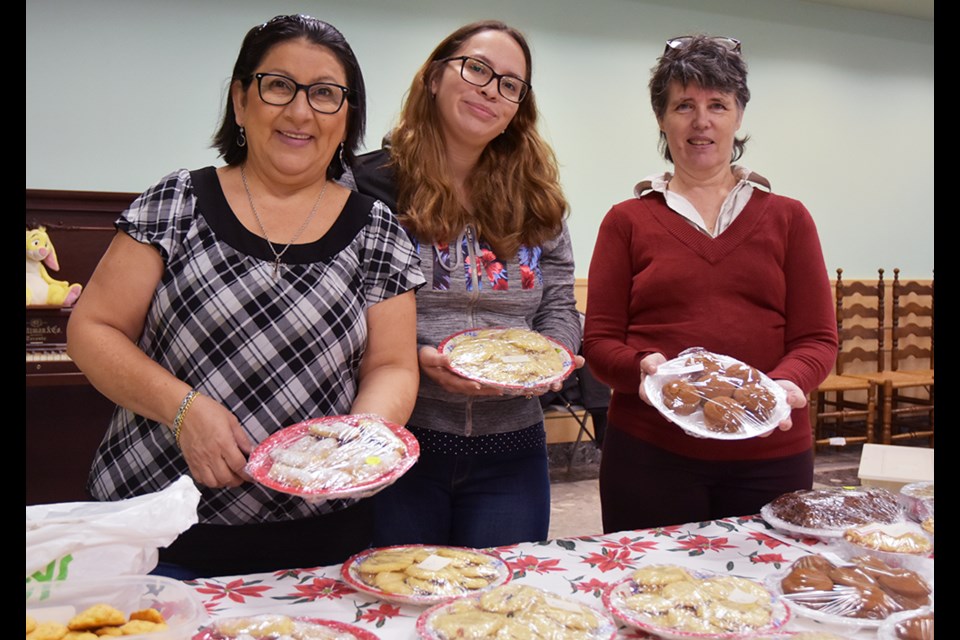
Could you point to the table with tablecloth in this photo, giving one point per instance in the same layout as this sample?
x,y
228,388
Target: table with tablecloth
x,y
579,568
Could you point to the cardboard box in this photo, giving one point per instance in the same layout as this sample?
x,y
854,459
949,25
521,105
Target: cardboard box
x,y
891,467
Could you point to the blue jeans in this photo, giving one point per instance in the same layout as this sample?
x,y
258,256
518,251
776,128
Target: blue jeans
x,y
479,501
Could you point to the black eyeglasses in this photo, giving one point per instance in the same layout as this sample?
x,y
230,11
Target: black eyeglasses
x,y
480,74
278,90
730,44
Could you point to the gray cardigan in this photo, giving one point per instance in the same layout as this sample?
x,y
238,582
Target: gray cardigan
x,y
451,301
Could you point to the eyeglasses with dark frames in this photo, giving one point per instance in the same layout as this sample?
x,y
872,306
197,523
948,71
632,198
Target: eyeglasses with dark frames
x,y
279,90
480,74
679,42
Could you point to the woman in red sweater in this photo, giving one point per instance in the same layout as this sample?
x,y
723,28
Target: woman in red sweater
x,y
708,256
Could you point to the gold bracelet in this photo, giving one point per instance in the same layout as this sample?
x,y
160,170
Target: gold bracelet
x,y
182,413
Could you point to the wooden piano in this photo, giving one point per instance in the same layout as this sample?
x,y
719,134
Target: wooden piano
x,y
66,417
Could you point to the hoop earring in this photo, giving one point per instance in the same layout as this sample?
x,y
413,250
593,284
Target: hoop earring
x,y
241,139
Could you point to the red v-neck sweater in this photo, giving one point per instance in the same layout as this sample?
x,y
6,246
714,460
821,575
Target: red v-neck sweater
x,y
758,292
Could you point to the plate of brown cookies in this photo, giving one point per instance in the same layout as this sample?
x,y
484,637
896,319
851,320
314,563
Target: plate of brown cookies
x,y
711,395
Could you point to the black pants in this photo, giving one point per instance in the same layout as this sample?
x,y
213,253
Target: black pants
x,y
643,487
206,550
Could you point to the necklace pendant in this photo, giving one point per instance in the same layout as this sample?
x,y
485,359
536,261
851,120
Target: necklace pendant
x,y
276,270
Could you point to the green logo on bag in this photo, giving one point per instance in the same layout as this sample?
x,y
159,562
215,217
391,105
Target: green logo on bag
x,y
56,570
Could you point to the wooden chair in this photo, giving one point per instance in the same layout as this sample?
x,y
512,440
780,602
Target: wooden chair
x,y
908,385
839,419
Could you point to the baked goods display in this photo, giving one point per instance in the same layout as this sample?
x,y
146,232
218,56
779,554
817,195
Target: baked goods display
x,y
715,396
910,625
339,456
864,591
512,359
897,538
827,513
281,627
515,611
96,621
671,601
917,499
424,574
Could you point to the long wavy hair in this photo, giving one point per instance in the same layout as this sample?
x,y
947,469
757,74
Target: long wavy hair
x,y
515,191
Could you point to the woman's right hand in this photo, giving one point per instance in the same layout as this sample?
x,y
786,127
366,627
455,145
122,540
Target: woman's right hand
x,y
648,367
435,366
214,444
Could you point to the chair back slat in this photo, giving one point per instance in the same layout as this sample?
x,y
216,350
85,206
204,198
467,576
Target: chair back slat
x,y
911,339
860,326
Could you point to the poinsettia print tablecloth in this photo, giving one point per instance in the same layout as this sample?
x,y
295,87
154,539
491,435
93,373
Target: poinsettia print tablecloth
x,y
580,568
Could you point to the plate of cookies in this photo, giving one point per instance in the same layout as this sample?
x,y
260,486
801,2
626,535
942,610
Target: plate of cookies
x,y
515,610
424,574
859,592
670,601
280,626
334,457
711,395
513,359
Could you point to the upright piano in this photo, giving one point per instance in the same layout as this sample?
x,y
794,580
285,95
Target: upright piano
x,y
66,417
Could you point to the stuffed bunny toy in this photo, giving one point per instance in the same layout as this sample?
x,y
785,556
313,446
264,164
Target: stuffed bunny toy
x,y
41,288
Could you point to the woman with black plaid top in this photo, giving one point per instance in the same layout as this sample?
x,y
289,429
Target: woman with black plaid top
x,y
238,300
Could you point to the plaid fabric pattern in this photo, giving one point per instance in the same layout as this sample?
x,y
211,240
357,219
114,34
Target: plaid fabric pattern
x,y
274,353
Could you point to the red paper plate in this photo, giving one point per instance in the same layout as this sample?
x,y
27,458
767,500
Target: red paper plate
x,y
507,365
616,595
605,629
211,632
334,457
438,590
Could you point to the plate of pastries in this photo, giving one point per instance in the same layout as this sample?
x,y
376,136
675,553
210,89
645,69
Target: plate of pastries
x,y
515,611
908,625
671,601
828,513
334,457
711,395
276,626
513,359
424,574
859,591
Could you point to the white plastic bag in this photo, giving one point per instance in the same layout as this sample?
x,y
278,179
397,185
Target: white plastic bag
x,y
99,539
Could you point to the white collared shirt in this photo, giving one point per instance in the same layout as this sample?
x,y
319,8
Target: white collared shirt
x,y
733,204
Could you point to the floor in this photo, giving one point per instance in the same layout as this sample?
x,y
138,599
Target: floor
x,y
575,499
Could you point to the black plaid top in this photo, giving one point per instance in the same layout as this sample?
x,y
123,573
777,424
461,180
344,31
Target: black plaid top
x,y
274,353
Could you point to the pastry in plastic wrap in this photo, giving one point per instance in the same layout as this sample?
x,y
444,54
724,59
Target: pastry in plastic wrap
x,y
897,544
914,625
827,513
281,627
334,457
424,574
671,601
515,611
512,359
711,395
863,592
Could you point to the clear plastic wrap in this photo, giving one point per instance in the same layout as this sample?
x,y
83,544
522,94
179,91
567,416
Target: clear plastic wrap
x,y
908,625
512,359
424,574
710,395
827,513
281,627
917,499
515,611
334,457
670,601
858,592
900,544
138,600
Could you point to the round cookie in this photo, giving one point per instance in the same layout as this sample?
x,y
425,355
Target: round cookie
x,y
757,400
716,385
681,397
724,415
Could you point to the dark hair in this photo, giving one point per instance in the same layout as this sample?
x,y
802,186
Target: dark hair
x,y
703,61
257,43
